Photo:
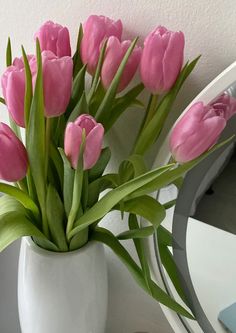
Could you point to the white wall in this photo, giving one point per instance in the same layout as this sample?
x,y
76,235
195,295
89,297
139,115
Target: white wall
x,y
209,27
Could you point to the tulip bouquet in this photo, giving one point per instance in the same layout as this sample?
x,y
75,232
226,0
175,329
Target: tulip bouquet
x,y
58,168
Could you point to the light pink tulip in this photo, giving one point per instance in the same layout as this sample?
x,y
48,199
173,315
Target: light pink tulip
x,y
57,85
93,143
13,88
54,37
96,29
115,52
13,156
162,59
196,132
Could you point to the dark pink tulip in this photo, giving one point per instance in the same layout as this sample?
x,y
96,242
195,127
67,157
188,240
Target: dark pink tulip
x,y
96,29
93,144
197,131
54,37
115,52
13,156
162,59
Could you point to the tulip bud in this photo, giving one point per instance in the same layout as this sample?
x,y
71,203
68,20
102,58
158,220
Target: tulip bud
x,y
196,131
93,142
162,59
54,37
57,83
115,53
13,88
225,103
13,156
96,29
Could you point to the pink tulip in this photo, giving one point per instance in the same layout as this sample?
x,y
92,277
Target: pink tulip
x,y
115,52
57,85
226,104
13,156
197,131
13,88
54,37
162,59
93,142
96,29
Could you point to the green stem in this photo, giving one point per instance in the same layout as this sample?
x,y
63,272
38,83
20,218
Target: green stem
x,y
47,146
77,192
15,128
151,109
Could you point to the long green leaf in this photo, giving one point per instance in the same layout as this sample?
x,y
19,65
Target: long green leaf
x,y
68,182
28,89
20,196
8,53
120,105
109,200
80,108
77,90
35,142
140,249
153,129
112,90
171,175
106,237
56,216
76,57
101,164
147,207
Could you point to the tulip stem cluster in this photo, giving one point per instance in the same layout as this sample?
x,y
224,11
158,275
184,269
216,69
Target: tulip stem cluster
x,y
64,185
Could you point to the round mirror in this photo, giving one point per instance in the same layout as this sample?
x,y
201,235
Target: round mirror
x,y
203,229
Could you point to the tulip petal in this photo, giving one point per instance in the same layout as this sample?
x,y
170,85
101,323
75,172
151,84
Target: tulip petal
x,y
93,146
73,140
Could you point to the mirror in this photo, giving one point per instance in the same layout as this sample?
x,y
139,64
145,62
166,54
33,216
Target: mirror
x,y
203,226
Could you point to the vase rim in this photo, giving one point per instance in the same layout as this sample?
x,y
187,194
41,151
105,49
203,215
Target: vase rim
x,y
39,250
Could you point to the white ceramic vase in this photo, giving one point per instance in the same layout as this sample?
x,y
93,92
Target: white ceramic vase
x,y
62,292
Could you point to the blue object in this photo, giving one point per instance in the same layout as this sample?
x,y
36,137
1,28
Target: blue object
x,y
228,318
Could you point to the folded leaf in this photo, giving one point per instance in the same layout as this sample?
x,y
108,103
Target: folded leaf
x,y
76,57
106,237
112,198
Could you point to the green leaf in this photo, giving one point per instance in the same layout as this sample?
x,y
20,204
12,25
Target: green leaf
x,y
171,269
112,90
14,222
147,207
77,90
164,236
35,139
101,164
68,182
76,57
56,216
28,88
121,104
22,197
2,100
97,72
8,53
131,167
57,162
106,237
140,249
80,108
99,185
169,204
171,175
153,129
112,198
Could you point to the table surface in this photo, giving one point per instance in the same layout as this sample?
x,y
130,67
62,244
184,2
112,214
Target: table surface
x,y
212,264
